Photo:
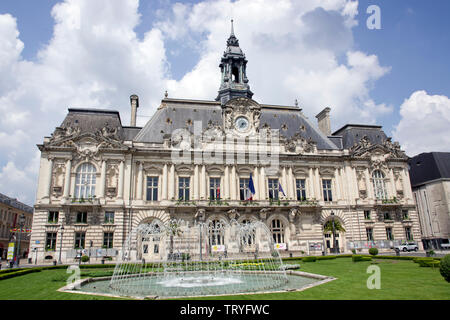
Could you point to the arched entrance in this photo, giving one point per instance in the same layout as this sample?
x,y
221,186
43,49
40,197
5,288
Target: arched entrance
x,y
150,240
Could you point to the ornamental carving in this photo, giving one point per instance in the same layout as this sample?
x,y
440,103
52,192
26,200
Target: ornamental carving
x,y
233,214
239,107
298,144
365,147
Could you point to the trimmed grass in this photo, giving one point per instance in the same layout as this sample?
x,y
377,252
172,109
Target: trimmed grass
x,y
399,280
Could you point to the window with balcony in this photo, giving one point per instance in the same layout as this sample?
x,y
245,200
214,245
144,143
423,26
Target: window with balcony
x,y
301,189
326,187
277,231
80,240
408,234
85,181
369,234
273,189
108,239
244,190
389,234
109,217
183,188
50,241
214,188
53,217
152,188
81,217
379,185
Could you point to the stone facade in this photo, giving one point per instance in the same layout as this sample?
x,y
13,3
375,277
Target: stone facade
x,y
194,160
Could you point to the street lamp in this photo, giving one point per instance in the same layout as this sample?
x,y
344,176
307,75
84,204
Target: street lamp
x,y
60,243
21,224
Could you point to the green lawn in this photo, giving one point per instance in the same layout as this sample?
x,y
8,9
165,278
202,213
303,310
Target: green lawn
x,y
399,280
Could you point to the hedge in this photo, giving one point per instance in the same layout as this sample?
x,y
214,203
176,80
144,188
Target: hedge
x,y
309,259
445,267
359,257
326,257
18,273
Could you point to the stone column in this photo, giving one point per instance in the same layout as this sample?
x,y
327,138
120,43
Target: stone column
x,y
370,192
284,182
233,183
48,185
262,183
171,183
256,184
226,182
67,179
195,183
290,185
121,178
164,183
406,185
139,182
203,184
318,193
336,182
392,183
102,180
311,183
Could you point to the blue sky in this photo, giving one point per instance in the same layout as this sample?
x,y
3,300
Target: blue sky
x,y
317,51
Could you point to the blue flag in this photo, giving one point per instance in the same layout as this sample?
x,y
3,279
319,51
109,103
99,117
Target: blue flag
x,y
251,188
281,189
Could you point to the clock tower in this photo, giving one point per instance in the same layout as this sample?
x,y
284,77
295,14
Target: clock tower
x,y
234,82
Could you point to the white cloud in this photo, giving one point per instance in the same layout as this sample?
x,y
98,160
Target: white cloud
x,y
425,123
296,50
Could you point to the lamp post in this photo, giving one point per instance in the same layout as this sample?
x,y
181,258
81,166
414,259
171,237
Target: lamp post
x,y
60,243
21,224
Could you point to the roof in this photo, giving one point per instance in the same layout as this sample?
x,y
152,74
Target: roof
x,y
178,113
15,203
352,133
429,166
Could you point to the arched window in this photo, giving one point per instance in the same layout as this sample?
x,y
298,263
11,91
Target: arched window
x,y
277,230
215,230
85,181
248,237
379,185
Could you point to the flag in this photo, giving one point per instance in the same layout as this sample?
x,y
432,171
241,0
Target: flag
x,y
281,189
218,193
251,189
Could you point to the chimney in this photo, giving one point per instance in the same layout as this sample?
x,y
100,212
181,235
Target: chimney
x,y
134,99
323,120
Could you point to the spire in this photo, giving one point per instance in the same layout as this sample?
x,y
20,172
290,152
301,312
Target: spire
x,y
234,74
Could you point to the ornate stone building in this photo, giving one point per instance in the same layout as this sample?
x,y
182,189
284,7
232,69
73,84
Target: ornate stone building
x,y
201,160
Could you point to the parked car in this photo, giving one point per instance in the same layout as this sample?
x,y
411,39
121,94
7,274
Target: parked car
x,y
407,246
445,245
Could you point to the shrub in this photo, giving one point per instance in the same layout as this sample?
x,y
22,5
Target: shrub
x,y
326,257
84,258
445,267
309,259
354,251
357,258
373,251
18,273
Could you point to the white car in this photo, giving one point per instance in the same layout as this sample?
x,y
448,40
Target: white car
x,y
407,246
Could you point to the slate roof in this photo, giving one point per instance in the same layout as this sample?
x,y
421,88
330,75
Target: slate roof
x,y
176,113
15,203
352,133
428,167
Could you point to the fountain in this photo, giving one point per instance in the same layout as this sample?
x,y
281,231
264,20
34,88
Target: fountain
x,y
176,259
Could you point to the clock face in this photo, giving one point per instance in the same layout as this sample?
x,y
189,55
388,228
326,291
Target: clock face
x,y
241,124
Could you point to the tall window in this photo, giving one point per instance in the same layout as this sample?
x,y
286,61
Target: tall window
x,y
81,217
249,236
277,230
214,188
326,185
369,233
183,188
243,188
108,239
408,234
152,188
389,234
50,241
85,181
53,216
216,233
379,185
109,217
367,214
273,189
301,190
79,240
387,215
405,215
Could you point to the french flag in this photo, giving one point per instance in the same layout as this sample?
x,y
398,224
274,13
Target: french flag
x,y
251,189
281,189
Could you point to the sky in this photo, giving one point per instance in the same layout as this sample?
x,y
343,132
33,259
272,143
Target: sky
x,y
96,53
